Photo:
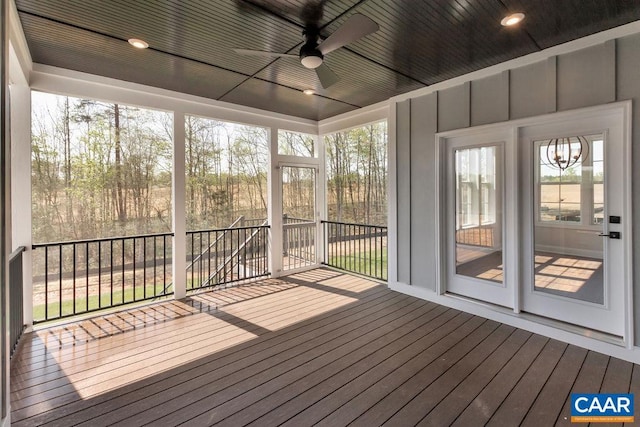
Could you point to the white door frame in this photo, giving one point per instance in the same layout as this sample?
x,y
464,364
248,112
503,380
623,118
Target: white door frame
x,y
622,110
610,316
299,163
274,206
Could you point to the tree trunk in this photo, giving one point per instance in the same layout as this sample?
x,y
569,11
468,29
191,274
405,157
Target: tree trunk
x,y
120,204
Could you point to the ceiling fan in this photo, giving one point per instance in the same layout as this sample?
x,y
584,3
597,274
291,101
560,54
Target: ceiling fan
x,y
313,51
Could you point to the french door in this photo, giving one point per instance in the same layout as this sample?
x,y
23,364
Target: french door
x,y
573,210
536,217
477,218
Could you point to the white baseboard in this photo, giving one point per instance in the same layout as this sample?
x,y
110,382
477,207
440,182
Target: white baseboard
x,y
522,321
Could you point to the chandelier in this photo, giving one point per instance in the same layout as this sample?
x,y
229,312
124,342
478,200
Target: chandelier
x,y
562,153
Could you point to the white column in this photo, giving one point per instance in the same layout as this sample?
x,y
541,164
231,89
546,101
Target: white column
x,y
274,207
21,187
392,197
178,206
321,200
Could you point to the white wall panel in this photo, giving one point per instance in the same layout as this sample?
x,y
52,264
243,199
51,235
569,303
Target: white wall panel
x,y
533,89
423,191
490,99
586,77
454,107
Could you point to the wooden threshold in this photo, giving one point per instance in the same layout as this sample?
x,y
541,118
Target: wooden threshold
x,y
319,347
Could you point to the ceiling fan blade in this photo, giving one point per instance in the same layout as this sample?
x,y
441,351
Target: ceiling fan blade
x,y
265,53
326,76
354,28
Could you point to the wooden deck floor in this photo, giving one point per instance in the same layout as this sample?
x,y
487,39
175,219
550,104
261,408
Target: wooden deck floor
x,y
320,347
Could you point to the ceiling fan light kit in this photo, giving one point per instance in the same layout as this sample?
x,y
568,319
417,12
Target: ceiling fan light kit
x,y
310,56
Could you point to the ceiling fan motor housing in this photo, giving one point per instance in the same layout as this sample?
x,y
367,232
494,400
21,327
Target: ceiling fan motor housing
x,y
310,56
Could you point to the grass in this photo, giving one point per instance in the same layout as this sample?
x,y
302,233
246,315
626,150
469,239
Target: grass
x,y
363,263
119,297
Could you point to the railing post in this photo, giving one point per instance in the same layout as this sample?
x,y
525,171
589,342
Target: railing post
x,y
179,246
274,207
285,235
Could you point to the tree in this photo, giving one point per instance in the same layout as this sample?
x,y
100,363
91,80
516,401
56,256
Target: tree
x,y
357,174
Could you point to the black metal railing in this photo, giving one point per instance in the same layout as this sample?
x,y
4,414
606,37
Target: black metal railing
x,y
16,298
298,242
476,236
358,248
222,256
72,278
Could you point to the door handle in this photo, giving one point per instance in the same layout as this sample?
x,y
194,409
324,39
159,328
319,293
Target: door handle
x,y
611,235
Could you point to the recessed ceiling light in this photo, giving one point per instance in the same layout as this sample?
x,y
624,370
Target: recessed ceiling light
x,y
308,91
140,44
512,19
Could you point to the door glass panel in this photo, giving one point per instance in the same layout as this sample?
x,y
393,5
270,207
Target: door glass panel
x,y
298,217
568,257
478,222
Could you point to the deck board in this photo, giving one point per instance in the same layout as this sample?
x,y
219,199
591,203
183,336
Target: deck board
x,y
446,412
516,406
320,347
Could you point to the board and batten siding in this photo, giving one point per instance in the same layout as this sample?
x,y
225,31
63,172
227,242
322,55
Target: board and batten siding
x,y
596,75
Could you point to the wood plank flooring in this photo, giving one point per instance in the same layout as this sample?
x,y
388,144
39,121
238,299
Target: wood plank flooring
x,y
316,348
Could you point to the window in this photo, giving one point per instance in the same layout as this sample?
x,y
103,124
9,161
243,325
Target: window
x,y
98,169
296,144
356,167
598,182
476,183
226,168
576,194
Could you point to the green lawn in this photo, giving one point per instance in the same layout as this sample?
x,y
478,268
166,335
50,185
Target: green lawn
x,y
363,263
81,302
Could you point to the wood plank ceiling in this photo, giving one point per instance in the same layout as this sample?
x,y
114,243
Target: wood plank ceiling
x,y
419,43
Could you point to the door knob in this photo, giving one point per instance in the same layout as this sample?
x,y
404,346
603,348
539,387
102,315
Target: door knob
x,y
611,235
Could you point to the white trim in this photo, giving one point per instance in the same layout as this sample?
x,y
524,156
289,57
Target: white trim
x,y
582,43
392,195
321,198
74,83
17,75
511,192
546,119
627,226
21,230
178,204
18,41
353,119
631,354
274,207
440,234
285,160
